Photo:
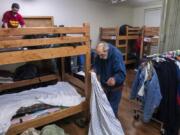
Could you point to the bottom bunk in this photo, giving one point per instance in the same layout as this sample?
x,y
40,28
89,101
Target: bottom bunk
x,y
62,100
49,118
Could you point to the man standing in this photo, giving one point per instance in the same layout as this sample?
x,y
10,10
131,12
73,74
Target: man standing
x,y
12,19
111,69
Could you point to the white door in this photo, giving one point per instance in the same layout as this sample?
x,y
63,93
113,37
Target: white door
x,y
152,17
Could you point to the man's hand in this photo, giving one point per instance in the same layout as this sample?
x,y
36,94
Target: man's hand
x,y
111,81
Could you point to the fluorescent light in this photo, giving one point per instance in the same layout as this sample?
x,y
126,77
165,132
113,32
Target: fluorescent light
x,y
116,1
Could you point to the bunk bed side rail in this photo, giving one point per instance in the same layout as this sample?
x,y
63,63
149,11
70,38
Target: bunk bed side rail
x,y
135,31
151,31
42,30
108,31
78,35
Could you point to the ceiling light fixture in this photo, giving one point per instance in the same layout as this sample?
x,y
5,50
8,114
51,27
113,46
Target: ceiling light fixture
x,y
117,1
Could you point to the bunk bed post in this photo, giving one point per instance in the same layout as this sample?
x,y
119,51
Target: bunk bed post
x,y
117,35
87,72
126,56
87,62
142,43
62,61
100,30
62,69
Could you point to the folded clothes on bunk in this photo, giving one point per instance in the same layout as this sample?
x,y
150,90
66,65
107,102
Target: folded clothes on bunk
x,y
61,94
31,109
34,115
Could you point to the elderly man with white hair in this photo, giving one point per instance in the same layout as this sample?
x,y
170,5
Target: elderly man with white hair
x,y
110,67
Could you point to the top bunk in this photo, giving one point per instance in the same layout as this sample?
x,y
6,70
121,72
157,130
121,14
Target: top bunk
x,y
18,50
151,35
107,33
151,31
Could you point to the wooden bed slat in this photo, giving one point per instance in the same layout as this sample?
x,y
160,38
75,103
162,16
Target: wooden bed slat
x,y
111,33
134,28
108,29
18,128
18,84
75,81
42,41
23,83
39,54
119,37
108,37
42,30
47,78
127,37
133,33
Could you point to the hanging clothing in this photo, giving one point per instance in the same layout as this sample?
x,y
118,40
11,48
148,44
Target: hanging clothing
x,y
151,95
178,89
103,120
167,111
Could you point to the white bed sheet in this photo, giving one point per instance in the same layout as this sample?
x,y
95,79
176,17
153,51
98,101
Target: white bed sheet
x,y
103,121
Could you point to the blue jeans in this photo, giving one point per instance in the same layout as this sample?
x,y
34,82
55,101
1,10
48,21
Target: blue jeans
x,y
114,97
81,62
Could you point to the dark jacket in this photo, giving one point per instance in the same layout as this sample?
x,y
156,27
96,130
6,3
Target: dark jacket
x,y
113,66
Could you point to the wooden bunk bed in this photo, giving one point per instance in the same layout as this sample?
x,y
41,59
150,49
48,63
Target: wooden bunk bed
x,y
30,21
112,34
39,21
77,35
150,36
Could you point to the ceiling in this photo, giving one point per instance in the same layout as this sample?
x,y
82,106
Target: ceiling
x,y
141,2
132,2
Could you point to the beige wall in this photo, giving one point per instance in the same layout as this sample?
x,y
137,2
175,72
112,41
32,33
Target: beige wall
x,y
138,13
75,12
